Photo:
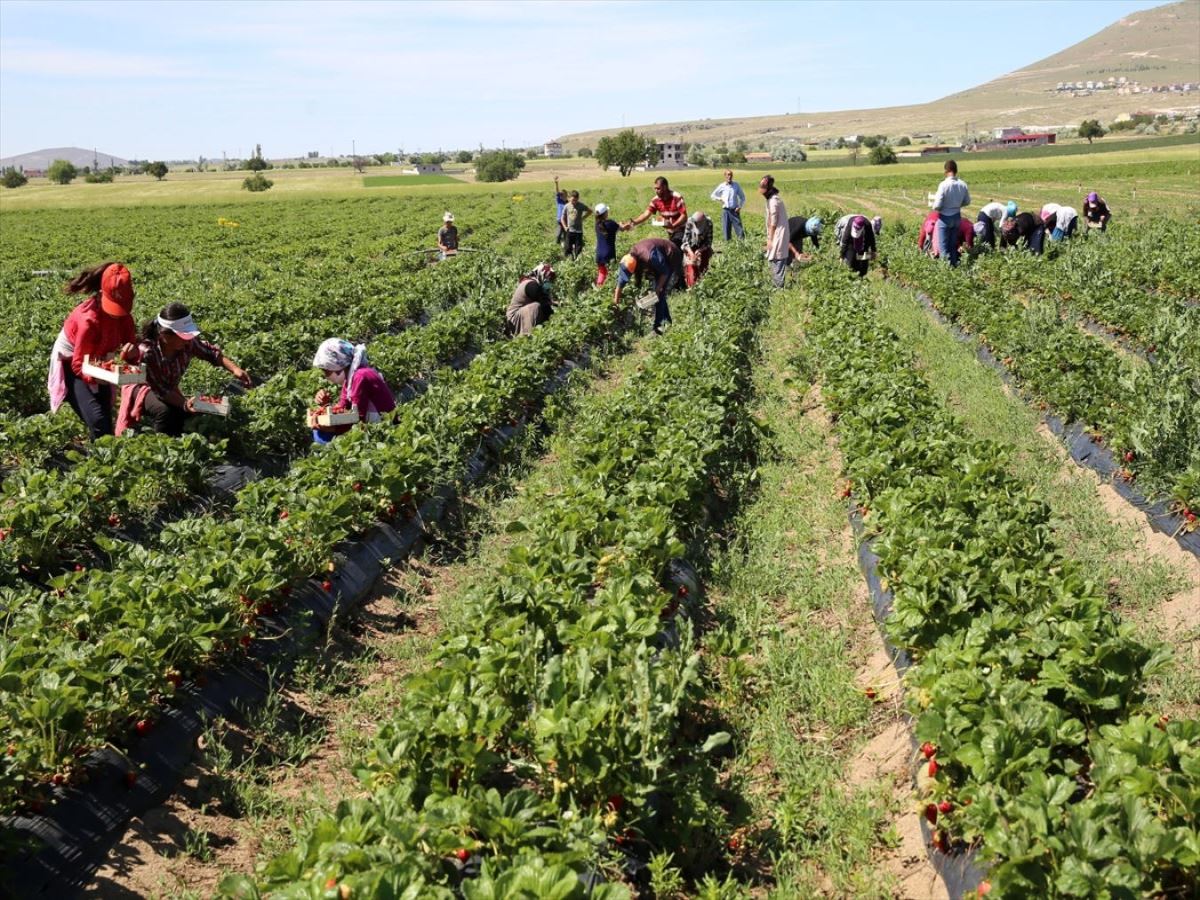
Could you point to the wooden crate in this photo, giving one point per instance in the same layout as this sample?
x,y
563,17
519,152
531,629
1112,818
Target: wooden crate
x,y
126,375
334,419
213,406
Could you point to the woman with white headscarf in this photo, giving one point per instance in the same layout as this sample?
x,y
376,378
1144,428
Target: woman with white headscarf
x,y
363,388
167,345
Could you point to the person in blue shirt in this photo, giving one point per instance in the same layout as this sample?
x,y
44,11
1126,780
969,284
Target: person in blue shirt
x,y
560,203
606,242
732,198
952,195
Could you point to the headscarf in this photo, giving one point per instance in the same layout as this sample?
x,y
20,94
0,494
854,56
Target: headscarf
x,y
877,225
541,273
813,226
1093,197
1011,209
336,354
858,227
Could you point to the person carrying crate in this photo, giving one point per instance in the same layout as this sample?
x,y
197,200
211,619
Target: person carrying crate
x,y
99,327
362,388
168,344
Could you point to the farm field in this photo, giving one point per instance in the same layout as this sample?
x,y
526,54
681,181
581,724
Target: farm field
x,y
644,637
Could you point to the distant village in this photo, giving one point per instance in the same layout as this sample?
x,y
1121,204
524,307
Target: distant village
x,y
1123,86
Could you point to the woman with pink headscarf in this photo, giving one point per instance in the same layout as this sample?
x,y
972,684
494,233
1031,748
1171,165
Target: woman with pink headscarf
x,y
858,245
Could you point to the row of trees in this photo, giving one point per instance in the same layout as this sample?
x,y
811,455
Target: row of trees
x,y
63,171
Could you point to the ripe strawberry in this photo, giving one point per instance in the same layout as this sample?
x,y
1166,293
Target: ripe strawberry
x,y
12,750
928,750
244,640
941,842
244,600
405,499
931,813
143,727
616,802
79,568
871,693
1128,456
331,883
4,533
175,678
683,591
984,888
59,779
391,511
327,586
114,520
283,514
462,854
734,843
933,768
357,487
945,806
1189,515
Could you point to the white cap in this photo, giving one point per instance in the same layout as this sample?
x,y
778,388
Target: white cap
x,y
601,208
448,217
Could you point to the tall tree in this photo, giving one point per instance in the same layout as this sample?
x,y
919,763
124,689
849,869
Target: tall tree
x,y
626,150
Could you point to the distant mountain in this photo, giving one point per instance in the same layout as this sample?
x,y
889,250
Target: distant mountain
x,y
1154,51
39,160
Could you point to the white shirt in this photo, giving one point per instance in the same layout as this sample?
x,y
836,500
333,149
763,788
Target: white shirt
x,y
995,211
952,195
1066,215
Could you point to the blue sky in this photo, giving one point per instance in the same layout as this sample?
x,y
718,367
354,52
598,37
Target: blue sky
x,y
174,80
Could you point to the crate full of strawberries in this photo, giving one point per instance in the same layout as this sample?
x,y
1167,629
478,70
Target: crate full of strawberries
x,y
114,371
213,406
333,417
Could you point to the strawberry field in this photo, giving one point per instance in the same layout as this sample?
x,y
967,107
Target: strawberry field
x,y
652,667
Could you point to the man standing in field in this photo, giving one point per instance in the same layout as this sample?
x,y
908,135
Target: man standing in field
x,y
777,246
952,195
560,202
732,198
669,207
571,221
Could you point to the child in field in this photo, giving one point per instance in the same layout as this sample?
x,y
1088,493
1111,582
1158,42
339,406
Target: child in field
x,y
363,388
606,242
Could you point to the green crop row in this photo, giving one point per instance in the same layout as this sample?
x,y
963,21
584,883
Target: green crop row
x,y
556,728
1149,415
1027,691
102,645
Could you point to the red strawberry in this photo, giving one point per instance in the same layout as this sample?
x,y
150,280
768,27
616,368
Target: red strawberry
x,y
1189,515
327,586
734,843
142,727
616,802
283,514
4,533
931,813
984,888
244,600
357,487
941,842
331,883
928,750
114,520
59,778
79,568
175,678
406,499
244,640
1128,456
871,693
12,750
462,854
683,591
945,806
933,767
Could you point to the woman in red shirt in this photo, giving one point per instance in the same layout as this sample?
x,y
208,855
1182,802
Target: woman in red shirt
x,y
99,327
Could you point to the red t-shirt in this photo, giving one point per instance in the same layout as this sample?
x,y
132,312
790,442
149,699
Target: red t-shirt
x,y
95,333
672,211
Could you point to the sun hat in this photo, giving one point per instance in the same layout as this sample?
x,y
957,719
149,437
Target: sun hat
x,y
184,327
116,291
448,217
601,209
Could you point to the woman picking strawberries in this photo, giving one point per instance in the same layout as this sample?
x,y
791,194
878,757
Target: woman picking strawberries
x,y
168,344
345,364
99,327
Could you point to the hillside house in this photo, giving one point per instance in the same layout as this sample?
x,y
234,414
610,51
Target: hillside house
x,y
1038,139
424,169
552,149
1002,134
670,156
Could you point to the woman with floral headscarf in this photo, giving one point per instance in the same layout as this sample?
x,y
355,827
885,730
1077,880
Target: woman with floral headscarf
x,y
531,304
363,388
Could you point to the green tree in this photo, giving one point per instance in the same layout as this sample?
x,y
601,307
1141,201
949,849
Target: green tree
x,y
464,156
697,156
788,151
585,152
61,172
256,163
498,165
626,150
882,155
1090,128
104,177
158,169
905,141
257,182
13,178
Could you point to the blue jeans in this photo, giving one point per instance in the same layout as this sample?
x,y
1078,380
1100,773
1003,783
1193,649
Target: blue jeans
x,y
732,220
660,266
947,232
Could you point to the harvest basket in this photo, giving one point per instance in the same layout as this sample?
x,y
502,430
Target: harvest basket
x,y
114,371
213,406
327,419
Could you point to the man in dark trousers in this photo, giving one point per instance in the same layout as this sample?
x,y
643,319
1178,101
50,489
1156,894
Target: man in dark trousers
x,y
658,258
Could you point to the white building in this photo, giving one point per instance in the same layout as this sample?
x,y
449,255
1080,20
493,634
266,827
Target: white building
x,y
424,169
552,148
670,156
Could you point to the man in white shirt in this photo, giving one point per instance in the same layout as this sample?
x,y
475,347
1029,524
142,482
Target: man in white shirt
x,y
952,195
732,198
991,216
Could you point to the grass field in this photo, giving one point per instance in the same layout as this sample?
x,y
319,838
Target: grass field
x,y
372,181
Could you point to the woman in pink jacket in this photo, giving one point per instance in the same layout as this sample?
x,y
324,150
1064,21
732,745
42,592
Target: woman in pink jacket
x,y
363,388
